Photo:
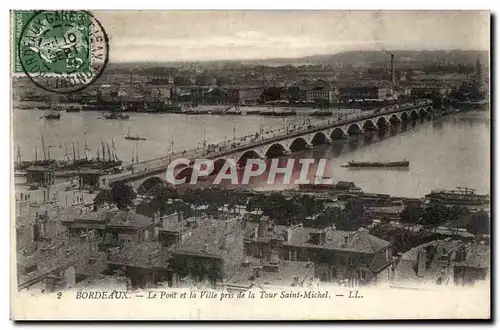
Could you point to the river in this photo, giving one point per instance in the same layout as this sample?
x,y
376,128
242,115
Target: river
x,y
453,151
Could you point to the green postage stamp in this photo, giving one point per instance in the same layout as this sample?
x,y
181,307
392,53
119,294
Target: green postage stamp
x,y
60,51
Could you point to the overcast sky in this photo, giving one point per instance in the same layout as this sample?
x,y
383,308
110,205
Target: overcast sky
x,y
214,35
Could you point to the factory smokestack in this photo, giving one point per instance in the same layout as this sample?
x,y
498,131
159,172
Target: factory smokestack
x,y
393,73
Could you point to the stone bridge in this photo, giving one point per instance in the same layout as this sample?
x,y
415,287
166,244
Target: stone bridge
x,y
294,139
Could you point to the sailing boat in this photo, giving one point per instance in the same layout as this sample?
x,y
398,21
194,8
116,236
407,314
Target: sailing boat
x,y
130,137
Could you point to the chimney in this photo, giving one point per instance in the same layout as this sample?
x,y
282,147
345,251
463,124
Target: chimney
x,y
393,73
321,237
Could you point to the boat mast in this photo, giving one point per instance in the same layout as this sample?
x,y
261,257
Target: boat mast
x,y
97,152
133,152
74,153
113,148
18,157
103,151
86,151
43,144
78,149
36,155
66,152
136,151
109,153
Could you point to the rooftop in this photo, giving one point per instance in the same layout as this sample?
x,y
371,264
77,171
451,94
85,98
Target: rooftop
x,y
43,258
129,219
112,218
141,255
281,273
211,237
356,241
425,263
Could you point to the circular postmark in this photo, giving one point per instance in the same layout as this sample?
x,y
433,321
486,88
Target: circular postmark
x,y
63,51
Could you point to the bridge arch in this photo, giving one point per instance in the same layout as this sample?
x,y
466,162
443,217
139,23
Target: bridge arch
x,y
414,114
354,129
250,154
319,138
429,109
275,150
298,144
382,121
151,184
186,173
394,118
422,112
337,133
404,116
218,163
368,124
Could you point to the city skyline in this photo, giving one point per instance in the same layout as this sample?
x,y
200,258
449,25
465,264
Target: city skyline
x,y
248,35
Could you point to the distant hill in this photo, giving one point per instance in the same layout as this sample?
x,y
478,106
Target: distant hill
x,y
371,57
344,58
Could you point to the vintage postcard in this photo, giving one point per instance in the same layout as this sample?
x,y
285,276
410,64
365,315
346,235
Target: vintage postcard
x,y
250,165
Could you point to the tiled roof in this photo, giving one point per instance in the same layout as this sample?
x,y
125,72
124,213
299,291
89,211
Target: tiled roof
x,y
282,275
141,255
357,241
207,238
129,219
434,266
49,257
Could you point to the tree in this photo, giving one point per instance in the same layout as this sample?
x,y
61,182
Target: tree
x,y
410,214
122,195
478,223
330,216
436,213
353,216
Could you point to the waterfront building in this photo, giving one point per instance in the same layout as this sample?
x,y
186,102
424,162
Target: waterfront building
x,y
365,93
321,94
42,175
89,178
